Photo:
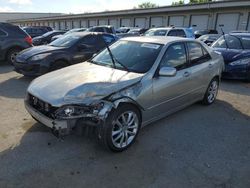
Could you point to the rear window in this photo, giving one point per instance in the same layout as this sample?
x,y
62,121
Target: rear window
x,y
177,33
158,32
233,42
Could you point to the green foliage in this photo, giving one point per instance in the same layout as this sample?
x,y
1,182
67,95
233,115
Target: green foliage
x,y
147,5
180,2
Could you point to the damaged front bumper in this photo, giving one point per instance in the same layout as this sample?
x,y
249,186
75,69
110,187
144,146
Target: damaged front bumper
x,y
65,126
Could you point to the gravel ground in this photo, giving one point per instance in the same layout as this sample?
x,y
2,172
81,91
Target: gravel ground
x,y
207,147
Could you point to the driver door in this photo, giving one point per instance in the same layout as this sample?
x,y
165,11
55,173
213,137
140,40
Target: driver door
x,y
171,93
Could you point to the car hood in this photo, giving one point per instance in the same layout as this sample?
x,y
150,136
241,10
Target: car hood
x,y
231,55
35,50
83,83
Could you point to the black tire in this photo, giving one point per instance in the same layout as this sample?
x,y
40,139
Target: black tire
x,y
11,55
211,92
105,133
58,65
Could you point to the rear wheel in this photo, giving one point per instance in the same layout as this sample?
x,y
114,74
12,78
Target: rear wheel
x,y
121,128
211,93
11,56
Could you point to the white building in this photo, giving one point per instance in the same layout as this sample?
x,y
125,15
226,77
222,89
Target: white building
x,y
228,15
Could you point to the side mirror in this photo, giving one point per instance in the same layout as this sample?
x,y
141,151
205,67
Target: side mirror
x,y
167,71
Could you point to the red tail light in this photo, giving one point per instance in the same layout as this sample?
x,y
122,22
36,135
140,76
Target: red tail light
x,y
28,39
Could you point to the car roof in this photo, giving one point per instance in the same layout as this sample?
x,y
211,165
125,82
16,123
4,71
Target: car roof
x,y
157,39
241,34
84,33
158,28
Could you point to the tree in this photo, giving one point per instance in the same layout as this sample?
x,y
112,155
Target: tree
x,y
180,2
147,5
199,1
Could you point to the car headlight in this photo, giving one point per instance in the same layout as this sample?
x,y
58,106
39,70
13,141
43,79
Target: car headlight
x,y
77,111
241,62
39,57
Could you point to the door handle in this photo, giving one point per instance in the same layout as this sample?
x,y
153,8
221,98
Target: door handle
x,y
186,74
210,65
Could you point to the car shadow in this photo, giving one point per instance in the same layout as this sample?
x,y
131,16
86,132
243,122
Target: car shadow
x,y
196,147
232,86
15,87
5,67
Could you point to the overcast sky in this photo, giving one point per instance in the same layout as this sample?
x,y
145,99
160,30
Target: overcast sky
x,y
72,6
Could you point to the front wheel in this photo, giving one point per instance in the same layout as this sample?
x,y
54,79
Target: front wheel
x,y
211,93
121,128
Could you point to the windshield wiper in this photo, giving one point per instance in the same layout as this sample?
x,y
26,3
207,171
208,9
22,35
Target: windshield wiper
x,y
114,60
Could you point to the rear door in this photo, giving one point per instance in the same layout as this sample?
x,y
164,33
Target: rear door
x,y
201,67
171,93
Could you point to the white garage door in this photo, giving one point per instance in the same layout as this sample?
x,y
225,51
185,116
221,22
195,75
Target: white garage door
x,y
51,24
69,25
62,25
177,21
102,22
227,22
92,23
76,24
84,24
113,22
57,25
140,22
199,22
156,22
125,22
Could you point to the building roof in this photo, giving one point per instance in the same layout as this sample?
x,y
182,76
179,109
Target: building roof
x,y
170,8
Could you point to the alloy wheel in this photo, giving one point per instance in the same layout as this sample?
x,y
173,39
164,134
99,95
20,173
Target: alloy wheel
x,y
125,128
212,91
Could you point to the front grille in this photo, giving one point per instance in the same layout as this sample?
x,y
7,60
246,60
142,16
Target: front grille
x,y
43,107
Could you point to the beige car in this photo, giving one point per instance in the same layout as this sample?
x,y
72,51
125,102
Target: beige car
x,y
136,81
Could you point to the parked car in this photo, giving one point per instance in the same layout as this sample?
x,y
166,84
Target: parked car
x,y
46,38
199,33
209,39
171,31
136,81
235,48
67,50
68,32
132,32
35,31
124,29
12,40
103,29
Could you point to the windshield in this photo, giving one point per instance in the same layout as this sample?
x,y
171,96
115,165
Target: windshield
x,y
156,32
65,41
233,42
135,56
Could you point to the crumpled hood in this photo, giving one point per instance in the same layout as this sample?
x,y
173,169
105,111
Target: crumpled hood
x,y
35,50
231,55
83,83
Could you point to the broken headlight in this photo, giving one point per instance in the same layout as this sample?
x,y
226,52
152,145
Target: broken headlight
x,y
77,111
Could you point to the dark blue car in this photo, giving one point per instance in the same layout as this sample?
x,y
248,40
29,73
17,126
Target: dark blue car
x,y
235,48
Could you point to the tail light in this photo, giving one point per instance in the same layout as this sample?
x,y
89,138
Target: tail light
x,y
28,39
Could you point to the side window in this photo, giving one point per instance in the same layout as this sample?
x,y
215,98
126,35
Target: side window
x,y
180,33
99,29
197,54
89,40
172,33
2,33
108,39
175,56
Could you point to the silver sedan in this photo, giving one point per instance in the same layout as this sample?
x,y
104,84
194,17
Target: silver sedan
x,y
134,82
